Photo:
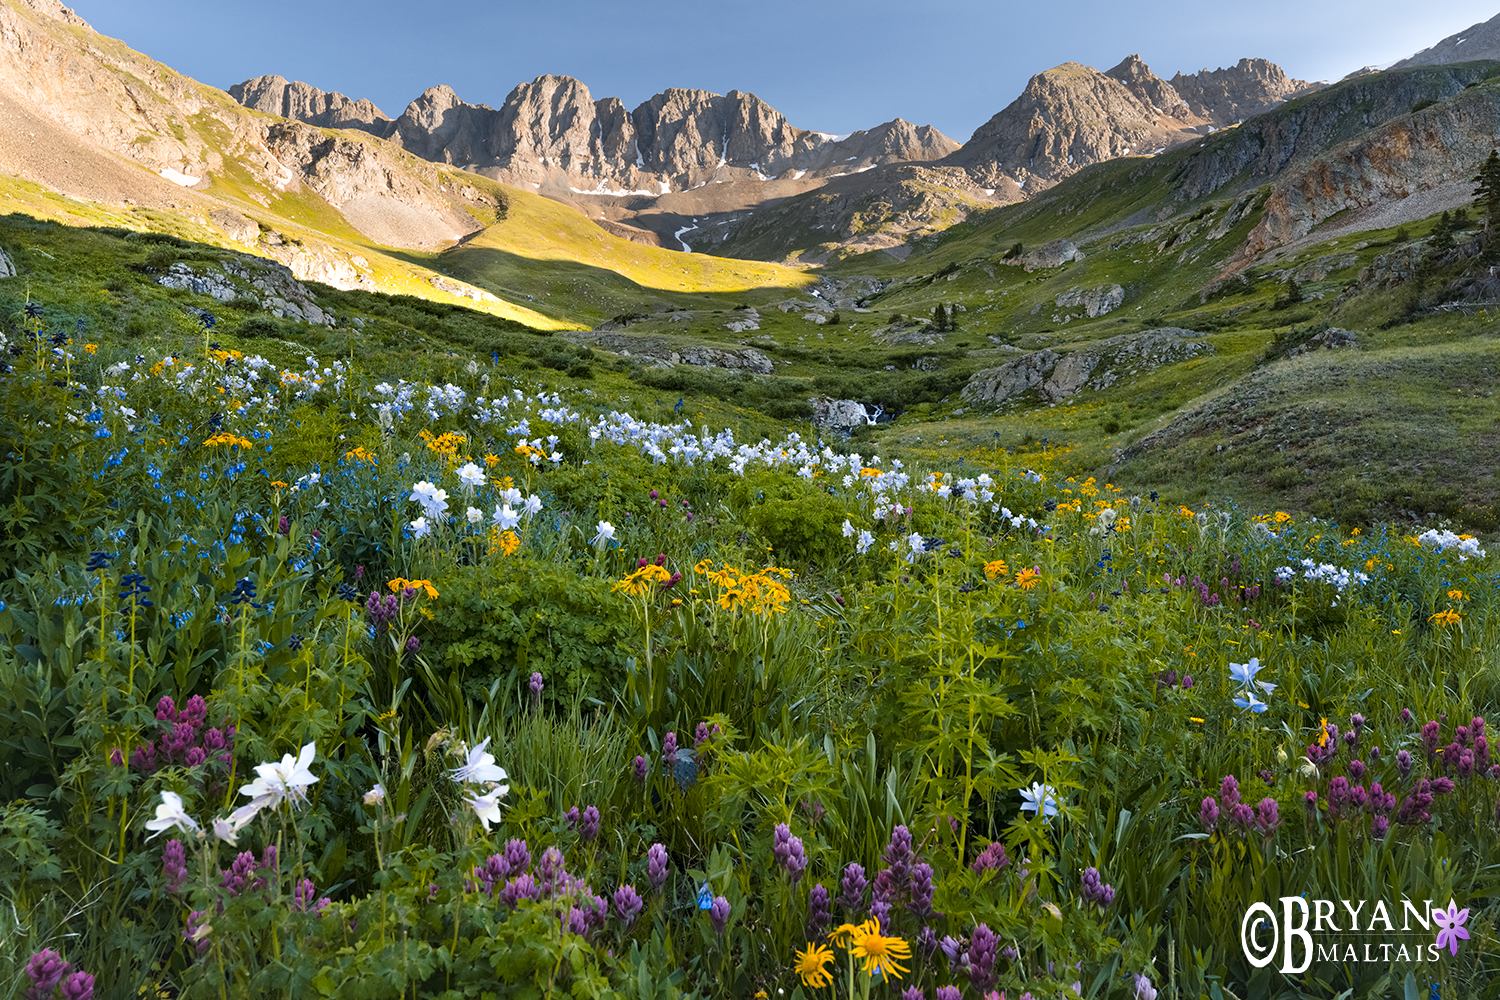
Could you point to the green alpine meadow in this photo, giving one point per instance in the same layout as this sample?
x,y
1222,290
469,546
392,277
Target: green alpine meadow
x,y
561,549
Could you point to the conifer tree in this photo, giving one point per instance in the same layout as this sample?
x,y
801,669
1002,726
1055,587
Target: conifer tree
x,y
1487,192
1442,234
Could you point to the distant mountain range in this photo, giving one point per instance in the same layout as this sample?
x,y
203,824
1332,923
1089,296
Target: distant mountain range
x,y
552,135
686,169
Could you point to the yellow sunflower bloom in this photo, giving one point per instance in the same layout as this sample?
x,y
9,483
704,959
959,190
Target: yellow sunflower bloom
x,y
995,568
641,581
1445,618
812,965
880,953
1027,578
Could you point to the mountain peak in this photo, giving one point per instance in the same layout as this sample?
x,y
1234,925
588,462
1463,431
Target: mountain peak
x,y
1478,41
304,102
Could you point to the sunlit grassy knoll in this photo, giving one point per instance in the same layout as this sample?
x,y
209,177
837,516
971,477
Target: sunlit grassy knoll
x,y
544,250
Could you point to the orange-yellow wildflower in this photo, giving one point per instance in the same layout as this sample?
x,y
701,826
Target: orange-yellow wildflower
x,y
812,965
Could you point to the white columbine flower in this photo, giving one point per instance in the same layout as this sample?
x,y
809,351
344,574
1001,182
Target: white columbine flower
x,y
512,496
532,506
505,518
433,500
480,767
171,814
865,541
286,781
471,476
848,529
420,528
605,533
229,829
918,546
1040,797
487,806
375,796
475,515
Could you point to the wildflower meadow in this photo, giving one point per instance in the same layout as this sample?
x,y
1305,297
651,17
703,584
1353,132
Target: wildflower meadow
x,y
315,681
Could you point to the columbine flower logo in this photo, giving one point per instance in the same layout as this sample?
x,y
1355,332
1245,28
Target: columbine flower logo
x,y
1451,926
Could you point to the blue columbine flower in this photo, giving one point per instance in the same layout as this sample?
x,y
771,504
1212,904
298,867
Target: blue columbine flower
x,y
1245,673
1250,702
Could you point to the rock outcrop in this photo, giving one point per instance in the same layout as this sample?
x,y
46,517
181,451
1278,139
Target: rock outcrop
x,y
1053,254
1095,301
1292,137
1328,340
271,285
387,200
1412,165
1056,376
54,8
7,266
306,103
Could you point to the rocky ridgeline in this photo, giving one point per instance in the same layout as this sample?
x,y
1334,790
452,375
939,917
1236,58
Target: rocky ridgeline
x,y
276,96
1478,41
1072,116
552,131
1055,377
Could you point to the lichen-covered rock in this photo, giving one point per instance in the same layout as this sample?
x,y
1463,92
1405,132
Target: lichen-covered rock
x,y
1095,301
1326,341
1054,254
1056,377
745,320
272,285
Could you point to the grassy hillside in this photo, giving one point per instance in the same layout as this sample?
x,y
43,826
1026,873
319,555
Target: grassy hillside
x,y
569,269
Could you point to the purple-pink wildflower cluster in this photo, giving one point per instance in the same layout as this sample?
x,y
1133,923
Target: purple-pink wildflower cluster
x,y
183,739
49,973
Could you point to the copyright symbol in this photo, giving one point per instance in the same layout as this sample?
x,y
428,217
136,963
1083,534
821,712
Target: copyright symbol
x,y
1258,925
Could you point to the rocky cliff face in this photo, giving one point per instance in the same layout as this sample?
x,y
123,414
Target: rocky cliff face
x,y
55,9
1072,116
306,103
552,133
1239,93
1431,152
90,117
1479,41
1264,147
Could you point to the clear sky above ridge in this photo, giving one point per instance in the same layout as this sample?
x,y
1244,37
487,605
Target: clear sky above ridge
x,y
831,66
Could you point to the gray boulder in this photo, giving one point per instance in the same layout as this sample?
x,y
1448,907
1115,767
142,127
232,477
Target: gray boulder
x,y
1095,301
839,414
1328,340
268,283
7,266
1054,254
1097,366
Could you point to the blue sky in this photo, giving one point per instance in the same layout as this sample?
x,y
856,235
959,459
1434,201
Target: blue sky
x,y
832,66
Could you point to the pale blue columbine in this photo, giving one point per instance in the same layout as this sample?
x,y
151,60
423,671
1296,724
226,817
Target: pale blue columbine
x,y
1040,797
1245,672
1250,702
